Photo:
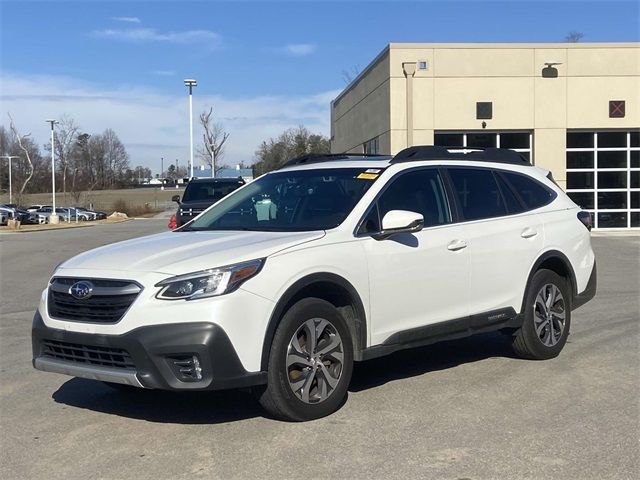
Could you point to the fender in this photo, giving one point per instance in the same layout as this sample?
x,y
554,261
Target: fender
x,y
358,326
541,259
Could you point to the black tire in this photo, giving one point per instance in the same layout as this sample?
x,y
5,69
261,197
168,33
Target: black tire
x,y
542,336
278,397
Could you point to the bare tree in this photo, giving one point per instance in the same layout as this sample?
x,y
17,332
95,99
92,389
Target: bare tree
x,y
350,75
65,137
214,138
574,37
22,140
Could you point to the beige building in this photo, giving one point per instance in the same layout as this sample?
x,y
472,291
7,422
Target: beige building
x,y
573,108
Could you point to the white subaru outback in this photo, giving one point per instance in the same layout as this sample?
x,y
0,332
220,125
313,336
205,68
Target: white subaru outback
x,y
332,259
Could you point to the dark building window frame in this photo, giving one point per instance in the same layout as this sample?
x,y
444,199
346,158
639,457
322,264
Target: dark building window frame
x,y
613,168
527,151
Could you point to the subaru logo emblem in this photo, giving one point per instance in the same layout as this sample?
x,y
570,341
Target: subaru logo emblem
x,y
81,290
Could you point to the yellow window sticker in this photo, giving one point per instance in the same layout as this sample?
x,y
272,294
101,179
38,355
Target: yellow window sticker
x,y
367,176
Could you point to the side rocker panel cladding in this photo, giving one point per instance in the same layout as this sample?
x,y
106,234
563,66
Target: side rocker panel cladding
x,y
359,327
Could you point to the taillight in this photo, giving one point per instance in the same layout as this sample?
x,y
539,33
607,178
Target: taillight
x,y
173,224
585,218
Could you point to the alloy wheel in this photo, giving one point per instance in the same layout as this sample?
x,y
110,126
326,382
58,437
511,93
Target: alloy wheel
x,y
314,360
549,315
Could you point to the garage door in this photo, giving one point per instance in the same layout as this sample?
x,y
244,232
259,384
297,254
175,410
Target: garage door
x,y
518,140
603,175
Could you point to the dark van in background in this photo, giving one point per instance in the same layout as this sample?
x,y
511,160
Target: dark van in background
x,y
200,194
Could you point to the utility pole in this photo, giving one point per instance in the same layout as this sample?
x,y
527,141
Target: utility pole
x,y
53,219
190,82
9,158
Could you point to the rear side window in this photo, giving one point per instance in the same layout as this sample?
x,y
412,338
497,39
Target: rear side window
x,y
533,194
477,193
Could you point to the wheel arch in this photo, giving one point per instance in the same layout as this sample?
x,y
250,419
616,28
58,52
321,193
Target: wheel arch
x,y
326,286
557,262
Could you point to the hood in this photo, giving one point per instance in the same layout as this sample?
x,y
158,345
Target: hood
x,y
177,253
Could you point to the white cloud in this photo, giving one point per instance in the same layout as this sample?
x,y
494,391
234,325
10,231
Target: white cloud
x,y
147,35
164,73
152,124
299,49
126,19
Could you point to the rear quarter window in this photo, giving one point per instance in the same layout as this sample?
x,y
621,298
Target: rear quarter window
x,y
533,193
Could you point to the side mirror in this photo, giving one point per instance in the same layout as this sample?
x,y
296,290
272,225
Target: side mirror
x,y
400,221
175,198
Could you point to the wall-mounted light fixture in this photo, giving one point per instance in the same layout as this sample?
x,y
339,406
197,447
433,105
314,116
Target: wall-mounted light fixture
x,y
550,70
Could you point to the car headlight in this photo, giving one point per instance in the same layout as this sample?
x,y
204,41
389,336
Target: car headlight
x,y
208,283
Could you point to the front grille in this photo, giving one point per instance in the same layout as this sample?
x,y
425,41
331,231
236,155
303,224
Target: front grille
x,y
109,301
87,354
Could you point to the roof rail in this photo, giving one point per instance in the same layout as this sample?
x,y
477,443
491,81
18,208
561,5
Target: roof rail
x,y
478,154
327,157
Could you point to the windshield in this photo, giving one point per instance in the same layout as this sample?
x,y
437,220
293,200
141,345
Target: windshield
x,y
290,201
209,191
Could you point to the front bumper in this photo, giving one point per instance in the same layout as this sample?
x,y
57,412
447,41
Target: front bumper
x,y
153,350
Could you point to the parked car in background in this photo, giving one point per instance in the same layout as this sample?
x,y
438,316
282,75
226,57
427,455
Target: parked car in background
x,y
200,194
82,216
91,215
96,215
4,216
46,212
16,213
33,208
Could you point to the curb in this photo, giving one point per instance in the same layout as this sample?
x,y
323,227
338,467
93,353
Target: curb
x,y
51,229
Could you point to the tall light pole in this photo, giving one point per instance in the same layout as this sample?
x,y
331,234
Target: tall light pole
x,y
54,217
9,158
190,82
162,172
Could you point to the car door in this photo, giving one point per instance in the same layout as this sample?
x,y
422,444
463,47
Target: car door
x,y
503,237
415,279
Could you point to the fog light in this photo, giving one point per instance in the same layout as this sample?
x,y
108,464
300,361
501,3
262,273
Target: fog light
x,y
186,368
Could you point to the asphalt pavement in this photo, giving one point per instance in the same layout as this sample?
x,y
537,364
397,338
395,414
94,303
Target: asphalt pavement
x,y
459,410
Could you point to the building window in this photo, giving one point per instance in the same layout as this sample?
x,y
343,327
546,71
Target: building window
x,y
603,169
520,141
372,147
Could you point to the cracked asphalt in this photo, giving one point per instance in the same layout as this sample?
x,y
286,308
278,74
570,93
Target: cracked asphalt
x,y
458,410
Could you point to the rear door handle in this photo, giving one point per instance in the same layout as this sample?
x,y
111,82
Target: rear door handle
x,y
456,245
528,233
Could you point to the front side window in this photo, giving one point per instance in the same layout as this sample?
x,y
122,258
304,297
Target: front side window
x,y
477,193
302,200
420,191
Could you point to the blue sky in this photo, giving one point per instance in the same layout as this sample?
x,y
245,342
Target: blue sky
x,y
264,66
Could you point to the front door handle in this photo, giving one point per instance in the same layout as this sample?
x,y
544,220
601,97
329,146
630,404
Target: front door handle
x,y
528,233
456,245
